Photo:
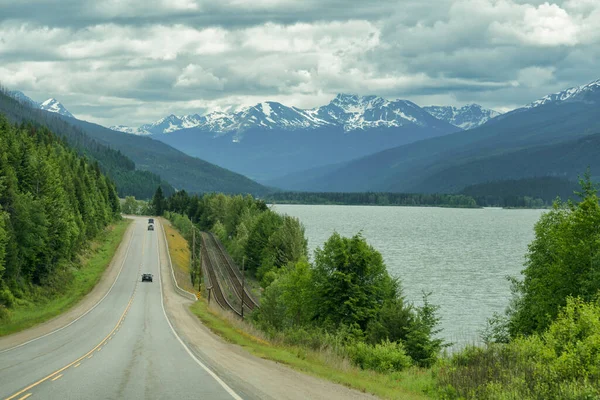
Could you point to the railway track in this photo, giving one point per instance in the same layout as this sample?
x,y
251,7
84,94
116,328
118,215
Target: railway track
x,y
235,276
209,271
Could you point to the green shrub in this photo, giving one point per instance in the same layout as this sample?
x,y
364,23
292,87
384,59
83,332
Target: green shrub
x,y
6,297
563,363
384,357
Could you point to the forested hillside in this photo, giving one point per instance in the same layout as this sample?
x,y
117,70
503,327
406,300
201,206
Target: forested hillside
x,y
372,198
51,202
121,169
179,169
531,192
549,140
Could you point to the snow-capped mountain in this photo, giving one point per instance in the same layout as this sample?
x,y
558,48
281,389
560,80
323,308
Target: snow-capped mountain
x,y
358,112
127,129
23,98
579,93
50,105
466,117
348,111
53,105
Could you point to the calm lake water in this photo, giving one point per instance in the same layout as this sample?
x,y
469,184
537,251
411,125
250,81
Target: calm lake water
x,y
461,255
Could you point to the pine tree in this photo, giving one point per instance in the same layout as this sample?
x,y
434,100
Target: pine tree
x,y
158,202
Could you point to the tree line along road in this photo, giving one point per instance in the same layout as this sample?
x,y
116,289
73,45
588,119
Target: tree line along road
x,y
142,342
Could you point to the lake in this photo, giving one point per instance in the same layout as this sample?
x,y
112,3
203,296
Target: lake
x,y
461,255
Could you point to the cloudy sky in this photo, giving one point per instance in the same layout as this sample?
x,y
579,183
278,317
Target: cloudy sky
x,y
134,61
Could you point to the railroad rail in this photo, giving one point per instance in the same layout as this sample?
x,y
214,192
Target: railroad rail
x,y
235,276
217,291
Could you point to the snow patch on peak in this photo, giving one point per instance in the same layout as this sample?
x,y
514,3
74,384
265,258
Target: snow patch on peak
x,y
53,105
348,111
571,94
128,129
466,117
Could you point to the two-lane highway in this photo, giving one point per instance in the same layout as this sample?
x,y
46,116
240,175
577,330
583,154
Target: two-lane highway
x,y
125,348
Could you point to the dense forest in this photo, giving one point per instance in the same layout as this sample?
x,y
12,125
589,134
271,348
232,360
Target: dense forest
x,y
522,193
372,198
52,201
121,169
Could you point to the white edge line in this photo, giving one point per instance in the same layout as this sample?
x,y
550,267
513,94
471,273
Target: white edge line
x,y
171,265
87,312
208,370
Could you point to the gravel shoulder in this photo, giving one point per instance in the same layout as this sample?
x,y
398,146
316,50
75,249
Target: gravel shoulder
x,y
85,305
251,377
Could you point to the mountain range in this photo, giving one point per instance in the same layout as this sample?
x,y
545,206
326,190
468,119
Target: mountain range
x,y
368,143
556,135
270,139
350,112
51,105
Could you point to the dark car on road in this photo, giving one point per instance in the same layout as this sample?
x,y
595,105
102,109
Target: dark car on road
x,y
150,220
146,277
150,227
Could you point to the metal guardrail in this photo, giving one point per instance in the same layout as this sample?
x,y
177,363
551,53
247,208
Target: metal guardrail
x,y
181,291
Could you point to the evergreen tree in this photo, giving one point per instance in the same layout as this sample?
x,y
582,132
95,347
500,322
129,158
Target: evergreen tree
x,y
158,202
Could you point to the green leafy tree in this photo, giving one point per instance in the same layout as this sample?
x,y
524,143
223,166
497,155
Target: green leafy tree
x,y
563,260
289,300
351,281
257,254
130,206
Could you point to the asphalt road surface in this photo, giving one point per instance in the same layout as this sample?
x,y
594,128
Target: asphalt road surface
x,y
125,348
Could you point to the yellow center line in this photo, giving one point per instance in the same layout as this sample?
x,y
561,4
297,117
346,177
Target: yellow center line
x,y
57,377
75,366
91,356
90,353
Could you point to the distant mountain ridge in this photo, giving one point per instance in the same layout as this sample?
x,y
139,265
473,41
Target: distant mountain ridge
x,y
350,112
578,93
136,161
557,135
51,105
466,117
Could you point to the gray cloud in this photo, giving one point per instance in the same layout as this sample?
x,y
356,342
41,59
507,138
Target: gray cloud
x,y
131,62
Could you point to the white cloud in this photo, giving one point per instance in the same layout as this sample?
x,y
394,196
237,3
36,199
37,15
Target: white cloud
x,y
131,61
536,76
194,76
545,25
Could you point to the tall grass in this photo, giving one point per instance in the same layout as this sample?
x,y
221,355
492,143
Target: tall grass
x,y
44,304
180,256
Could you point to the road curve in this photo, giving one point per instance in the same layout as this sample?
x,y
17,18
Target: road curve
x,y
124,348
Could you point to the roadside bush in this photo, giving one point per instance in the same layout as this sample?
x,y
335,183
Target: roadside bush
x,y
6,297
563,363
383,357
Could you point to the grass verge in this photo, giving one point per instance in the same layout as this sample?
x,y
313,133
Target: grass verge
x,y
180,256
412,384
94,263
